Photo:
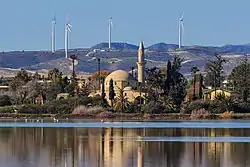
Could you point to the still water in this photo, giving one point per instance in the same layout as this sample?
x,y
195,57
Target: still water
x,y
131,144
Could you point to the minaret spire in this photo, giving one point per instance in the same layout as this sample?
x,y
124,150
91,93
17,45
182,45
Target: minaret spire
x,y
141,63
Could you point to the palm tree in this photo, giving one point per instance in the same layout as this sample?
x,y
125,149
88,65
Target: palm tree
x,y
194,70
121,104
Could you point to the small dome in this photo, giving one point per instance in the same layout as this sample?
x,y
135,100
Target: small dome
x,y
119,75
127,88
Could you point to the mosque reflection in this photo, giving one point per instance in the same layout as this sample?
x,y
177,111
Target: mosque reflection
x,y
105,147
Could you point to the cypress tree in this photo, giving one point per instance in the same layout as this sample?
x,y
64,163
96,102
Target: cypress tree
x,y
168,79
111,92
201,85
103,92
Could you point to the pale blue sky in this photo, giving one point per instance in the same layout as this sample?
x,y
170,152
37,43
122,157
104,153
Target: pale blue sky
x,y
26,24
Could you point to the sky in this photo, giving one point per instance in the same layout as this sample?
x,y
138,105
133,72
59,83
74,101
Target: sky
x,y
26,24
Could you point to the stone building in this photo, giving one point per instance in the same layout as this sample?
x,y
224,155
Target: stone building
x,y
122,80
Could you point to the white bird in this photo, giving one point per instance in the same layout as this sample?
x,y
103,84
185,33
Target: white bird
x,y
26,120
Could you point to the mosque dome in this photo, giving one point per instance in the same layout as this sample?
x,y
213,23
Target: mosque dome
x,y
121,78
119,75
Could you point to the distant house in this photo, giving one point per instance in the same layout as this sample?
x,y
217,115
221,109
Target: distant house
x,y
40,99
62,96
211,94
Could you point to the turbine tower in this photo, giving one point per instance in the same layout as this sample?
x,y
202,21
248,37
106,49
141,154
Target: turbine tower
x,y
53,35
181,30
67,37
110,28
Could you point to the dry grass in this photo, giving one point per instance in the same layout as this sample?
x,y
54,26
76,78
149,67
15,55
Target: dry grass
x,y
88,111
227,115
107,114
200,114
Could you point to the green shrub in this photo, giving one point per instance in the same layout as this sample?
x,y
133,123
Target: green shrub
x,y
32,109
241,107
7,109
5,100
196,105
64,106
93,101
153,108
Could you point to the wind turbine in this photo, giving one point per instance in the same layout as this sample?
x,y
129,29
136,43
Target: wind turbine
x,y
110,28
53,35
181,30
67,37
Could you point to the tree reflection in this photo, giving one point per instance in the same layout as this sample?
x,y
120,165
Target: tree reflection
x,y
113,147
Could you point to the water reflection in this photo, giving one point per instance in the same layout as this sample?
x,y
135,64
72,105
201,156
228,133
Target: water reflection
x,y
98,147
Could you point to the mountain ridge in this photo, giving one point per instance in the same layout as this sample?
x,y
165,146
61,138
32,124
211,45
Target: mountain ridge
x,y
121,56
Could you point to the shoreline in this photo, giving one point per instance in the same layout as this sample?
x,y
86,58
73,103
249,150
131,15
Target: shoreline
x,y
125,117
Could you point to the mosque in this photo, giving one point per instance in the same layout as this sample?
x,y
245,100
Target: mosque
x,y
123,80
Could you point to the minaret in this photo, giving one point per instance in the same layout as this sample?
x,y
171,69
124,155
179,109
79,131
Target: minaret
x,y
141,63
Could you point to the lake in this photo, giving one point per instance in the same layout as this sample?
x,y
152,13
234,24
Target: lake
x,y
124,144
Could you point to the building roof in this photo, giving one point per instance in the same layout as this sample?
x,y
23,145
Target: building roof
x,y
119,75
208,91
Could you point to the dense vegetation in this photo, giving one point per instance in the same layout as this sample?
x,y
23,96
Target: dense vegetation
x,y
167,91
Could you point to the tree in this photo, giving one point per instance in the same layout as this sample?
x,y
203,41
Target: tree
x,y
103,94
55,75
33,90
58,84
200,86
165,86
95,78
214,70
239,80
36,76
65,82
70,88
19,80
23,76
168,79
178,83
111,92
52,89
194,70
132,71
155,83
121,104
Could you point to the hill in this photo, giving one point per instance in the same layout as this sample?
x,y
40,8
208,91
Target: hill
x,y
121,56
